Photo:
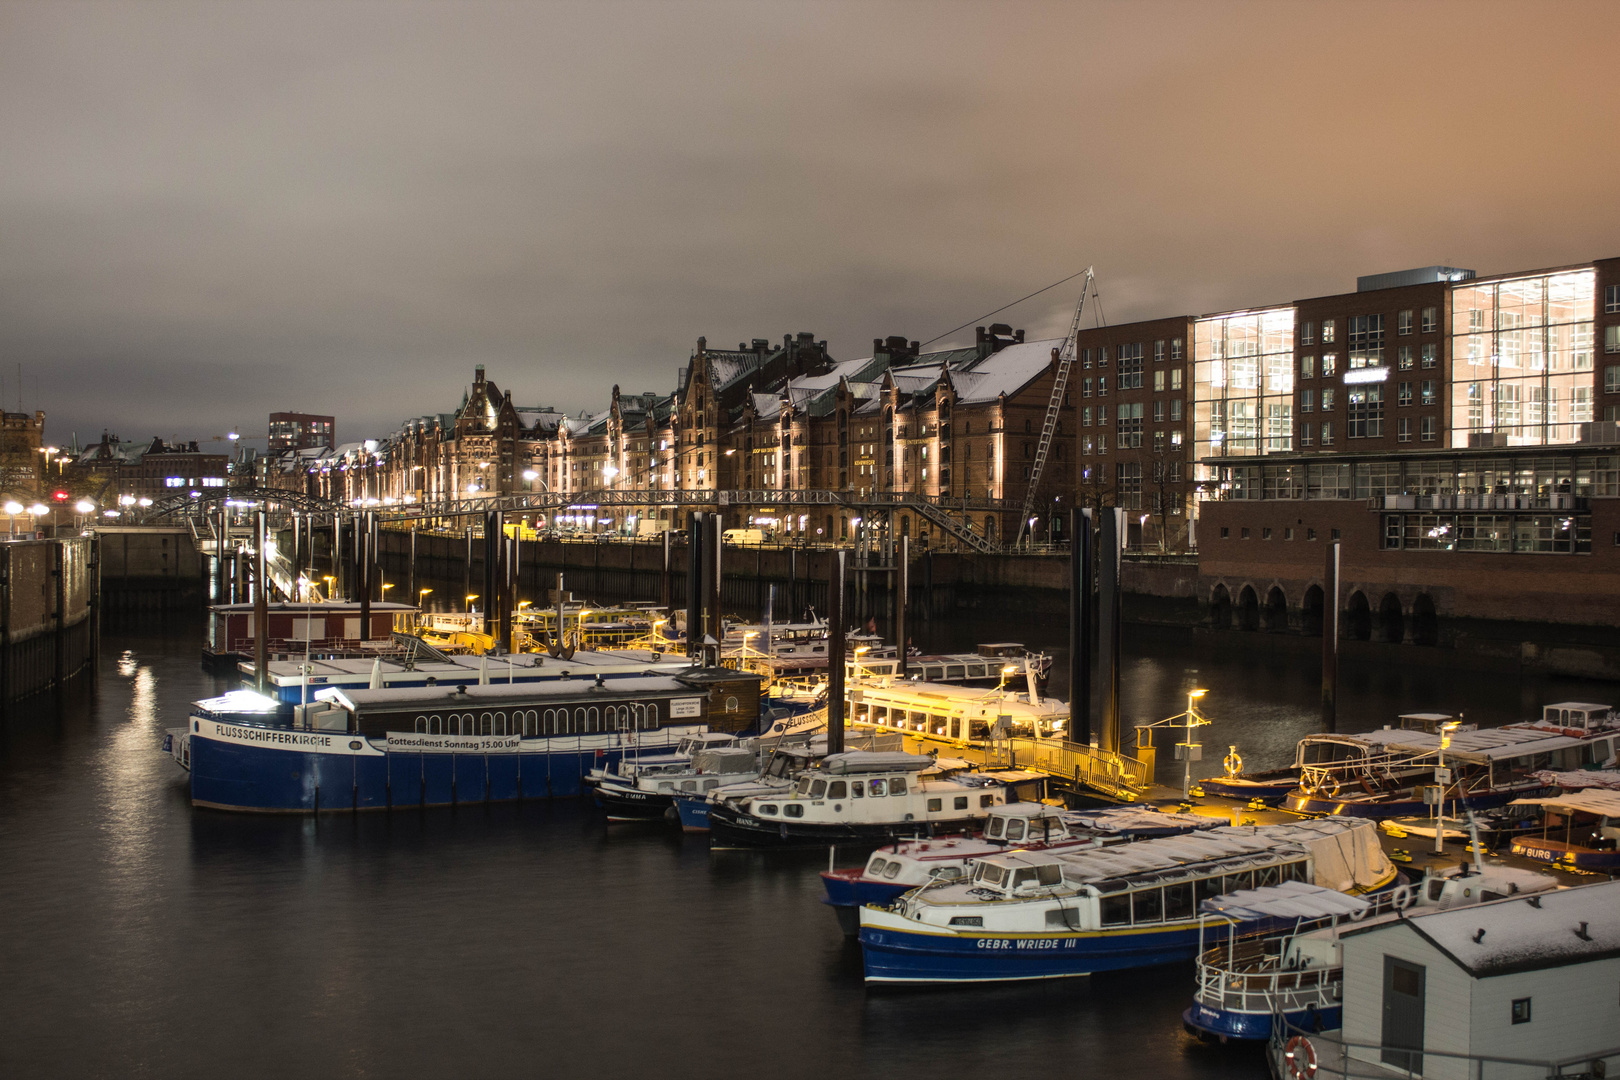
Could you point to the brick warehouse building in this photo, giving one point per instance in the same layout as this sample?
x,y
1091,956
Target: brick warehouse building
x,y
1455,434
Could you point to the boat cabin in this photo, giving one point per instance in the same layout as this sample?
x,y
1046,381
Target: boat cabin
x,y
1579,829
1573,717
561,707
1025,823
956,713
295,629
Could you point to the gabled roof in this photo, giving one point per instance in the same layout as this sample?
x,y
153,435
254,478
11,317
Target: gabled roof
x,y
1522,933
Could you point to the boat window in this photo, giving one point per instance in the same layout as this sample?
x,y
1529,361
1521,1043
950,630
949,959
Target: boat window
x,y
665,787
803,787
986,800
818,788
1147,906
1266,875
649,717
857,789
879,788
955,671
710,785
961,802
878,863
880,714
991,874
1024,875
978,729
897,785
768,809
992,831
1178,902
937,725
967,920
893,871
1116,910
1436,887
793,809
1015,829
688,785
945,873
836,789
421,724
1049,874
919,721
1204,888
1243,880
935,805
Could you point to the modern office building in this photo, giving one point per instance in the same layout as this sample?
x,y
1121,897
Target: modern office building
x,y
301,431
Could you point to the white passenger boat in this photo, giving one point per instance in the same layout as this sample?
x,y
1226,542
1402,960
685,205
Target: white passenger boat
x,y
645,788
863,796
1041,915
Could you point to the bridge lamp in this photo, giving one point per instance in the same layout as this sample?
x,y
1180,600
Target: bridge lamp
x,y
530,474
39,510
13,508
144,501
126,500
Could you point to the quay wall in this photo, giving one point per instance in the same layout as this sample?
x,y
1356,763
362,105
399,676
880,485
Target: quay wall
x,y
1165,591
48,613
149,568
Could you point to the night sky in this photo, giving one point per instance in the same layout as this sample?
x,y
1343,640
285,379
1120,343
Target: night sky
x,y
212,211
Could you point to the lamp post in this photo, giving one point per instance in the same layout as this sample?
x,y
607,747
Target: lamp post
x,y
470,598
1442,776
1193,721
13,508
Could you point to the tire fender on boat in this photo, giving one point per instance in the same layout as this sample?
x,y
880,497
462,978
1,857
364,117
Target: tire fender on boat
x,y
1300,1058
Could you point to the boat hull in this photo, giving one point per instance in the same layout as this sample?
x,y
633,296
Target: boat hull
x,y
729,828
693,814
1224,1024
847,894
271,770
1566,856
904,956
631,804
1378,809
1236,787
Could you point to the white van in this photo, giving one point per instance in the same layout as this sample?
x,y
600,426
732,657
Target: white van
x,y
743,536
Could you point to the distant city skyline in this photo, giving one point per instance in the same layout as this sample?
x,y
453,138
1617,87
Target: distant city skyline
x,y
215,213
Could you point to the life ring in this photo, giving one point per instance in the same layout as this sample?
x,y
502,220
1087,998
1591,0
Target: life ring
x,y
1358,914
1233,762
1402,898
1330,785
1300,1058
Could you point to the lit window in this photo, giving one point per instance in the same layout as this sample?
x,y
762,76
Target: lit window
x,y
1307,367
1521,1010
1175,378
1330,364
1404,357
1158,351
1175,348
1430,355
1611,339
1403,394
1329,332
1427,391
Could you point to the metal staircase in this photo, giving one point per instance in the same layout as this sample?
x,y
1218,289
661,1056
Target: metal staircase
x,y
1060,384
963,531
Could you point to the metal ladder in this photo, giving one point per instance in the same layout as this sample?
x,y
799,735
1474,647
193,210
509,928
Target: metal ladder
x,y
953,525
1059,385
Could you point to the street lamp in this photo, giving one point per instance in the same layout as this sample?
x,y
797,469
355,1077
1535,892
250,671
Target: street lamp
x,y
1189,748
330,581
470,598
1442,776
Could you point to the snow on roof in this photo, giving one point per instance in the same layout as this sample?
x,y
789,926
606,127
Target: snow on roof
x,y
1524,934
1587,801
1288,900
445,694
1007,371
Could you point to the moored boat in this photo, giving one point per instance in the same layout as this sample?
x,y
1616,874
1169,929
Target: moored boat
x,y
1580,830
1038,915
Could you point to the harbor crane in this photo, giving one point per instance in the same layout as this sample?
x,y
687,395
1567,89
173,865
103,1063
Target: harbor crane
x,y
1060,385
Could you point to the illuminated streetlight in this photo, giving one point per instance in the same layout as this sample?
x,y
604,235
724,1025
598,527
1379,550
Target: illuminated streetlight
x,y
470,598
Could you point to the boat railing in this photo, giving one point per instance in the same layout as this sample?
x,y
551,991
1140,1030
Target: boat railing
x,y
1327,1055
1247,977
1089,765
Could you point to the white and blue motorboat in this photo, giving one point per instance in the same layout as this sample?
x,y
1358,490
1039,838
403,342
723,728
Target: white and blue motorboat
x,y
645,788
1039,915
1246,982
443,745
863,796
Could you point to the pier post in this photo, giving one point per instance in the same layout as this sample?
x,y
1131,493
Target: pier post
x,y
493,600
220,588
358,585
666,581
368,557
1109,624
835,654
508,586
466,572
793,584
1330,640
337,588
694,585
716,628
411,596
902,598
295,537
1080,600
261,608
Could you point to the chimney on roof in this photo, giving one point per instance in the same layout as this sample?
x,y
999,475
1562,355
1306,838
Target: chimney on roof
x,y
703,343
1018,336
478,374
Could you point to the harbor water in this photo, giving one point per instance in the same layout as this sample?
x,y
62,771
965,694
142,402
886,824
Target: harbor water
x,y
140,937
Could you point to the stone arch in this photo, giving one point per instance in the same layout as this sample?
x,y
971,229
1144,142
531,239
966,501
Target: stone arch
x,y
1275,614
1358,617
1391,620
1220,608
1312,612
1248,609
1425,622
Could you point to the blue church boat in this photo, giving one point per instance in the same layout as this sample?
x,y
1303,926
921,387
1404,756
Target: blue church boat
x,y
441,745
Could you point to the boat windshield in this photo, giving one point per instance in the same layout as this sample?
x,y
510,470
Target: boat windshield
x,y
990,873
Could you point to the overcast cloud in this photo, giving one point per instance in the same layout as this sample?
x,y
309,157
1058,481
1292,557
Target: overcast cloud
x,y
212,211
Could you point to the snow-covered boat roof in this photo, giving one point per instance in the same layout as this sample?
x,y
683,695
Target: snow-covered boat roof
x,y
1585,801
444,695
1135,819
865,761
1549,929
944,696
1287,900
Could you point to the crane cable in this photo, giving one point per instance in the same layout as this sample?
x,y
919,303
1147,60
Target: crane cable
x,y
1015,303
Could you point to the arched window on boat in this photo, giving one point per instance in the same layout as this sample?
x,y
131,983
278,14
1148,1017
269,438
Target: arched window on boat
x,y
649,717
421,724
486,725
593,719
555,719
531,720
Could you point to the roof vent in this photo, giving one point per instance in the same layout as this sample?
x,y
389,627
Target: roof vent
x,y
1582,934
1421,276
1479,935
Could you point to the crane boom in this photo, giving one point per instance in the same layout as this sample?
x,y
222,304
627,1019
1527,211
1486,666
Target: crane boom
x,y
1059,385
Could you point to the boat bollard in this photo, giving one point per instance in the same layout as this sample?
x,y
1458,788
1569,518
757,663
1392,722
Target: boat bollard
x,y
1237,816
832,857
